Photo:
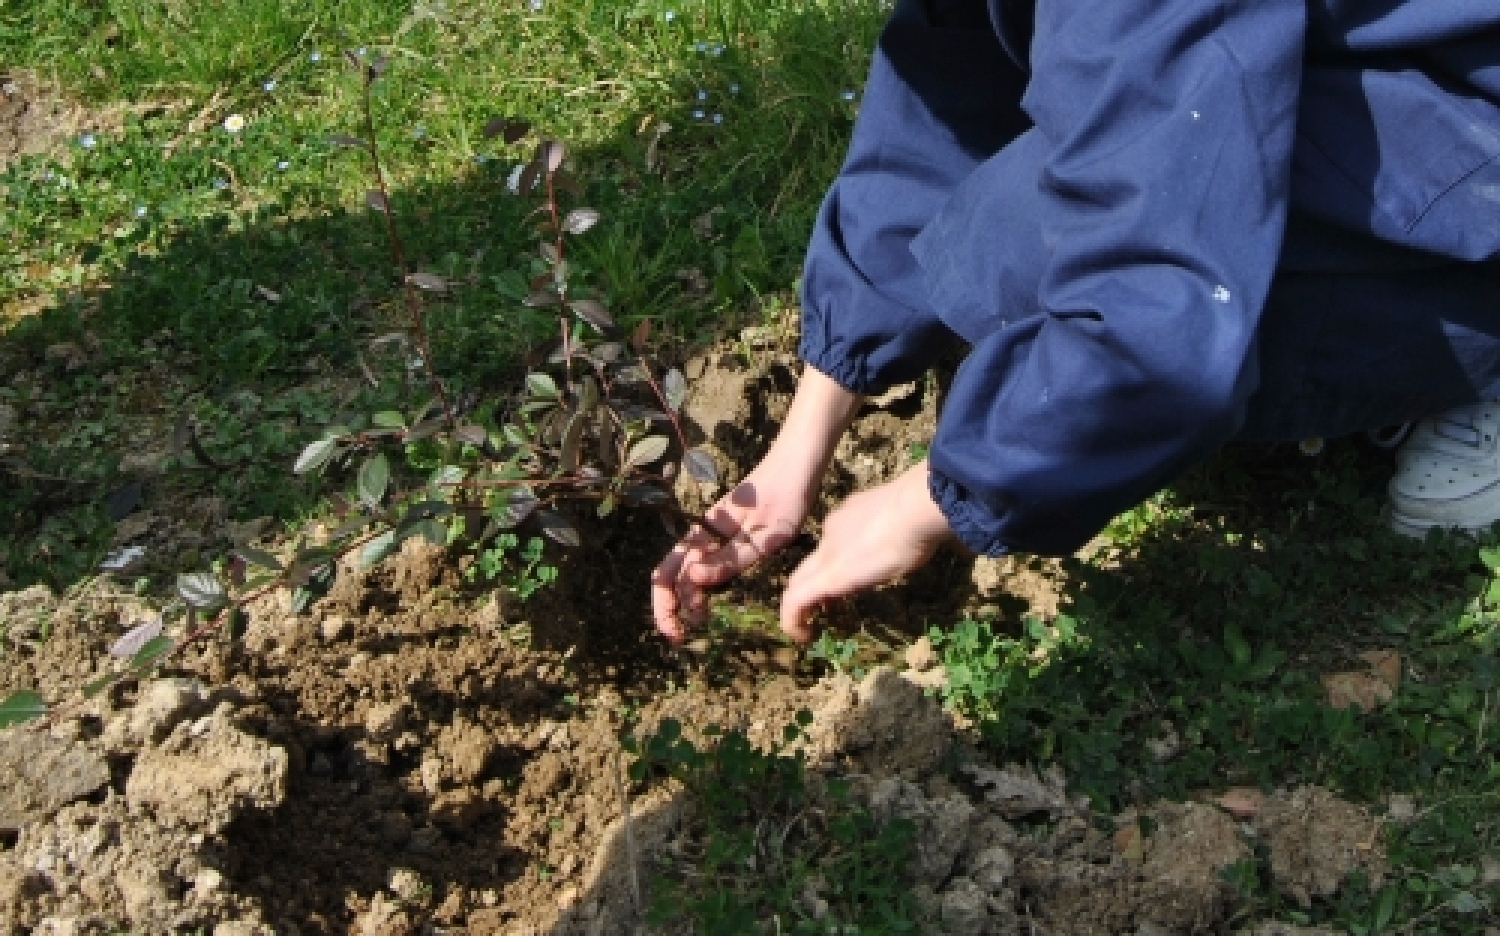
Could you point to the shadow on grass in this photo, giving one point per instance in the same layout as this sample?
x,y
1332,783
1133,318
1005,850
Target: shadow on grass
x,y
259,324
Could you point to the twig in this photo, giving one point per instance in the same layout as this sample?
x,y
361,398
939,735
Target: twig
x,y
398,253
630,852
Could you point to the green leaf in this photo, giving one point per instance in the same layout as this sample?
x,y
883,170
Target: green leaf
x,y
21,706
471,434
447,476
593,312
377,549
202,590
99,685
541,385
515,505
674,387
258,557
152,653
701,466
374,475
556,527
431,529
388,419
646,451
1236,645
315,456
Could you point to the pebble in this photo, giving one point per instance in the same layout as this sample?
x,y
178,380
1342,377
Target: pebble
x,y
920,656
335,628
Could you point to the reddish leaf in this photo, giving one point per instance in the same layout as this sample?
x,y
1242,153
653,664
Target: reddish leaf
x,y
580,220
429,281
550,154
640,336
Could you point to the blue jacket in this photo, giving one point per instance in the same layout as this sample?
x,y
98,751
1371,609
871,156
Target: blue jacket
x,y
1095,197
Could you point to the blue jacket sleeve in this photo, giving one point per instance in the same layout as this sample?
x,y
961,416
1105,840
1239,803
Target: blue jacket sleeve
x,y
942,96
1165,129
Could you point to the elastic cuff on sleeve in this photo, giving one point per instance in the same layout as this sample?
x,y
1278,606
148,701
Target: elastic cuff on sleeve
x,y
848,372
970,522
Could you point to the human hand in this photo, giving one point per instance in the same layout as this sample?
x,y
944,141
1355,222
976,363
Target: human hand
x,y
875,536
761,515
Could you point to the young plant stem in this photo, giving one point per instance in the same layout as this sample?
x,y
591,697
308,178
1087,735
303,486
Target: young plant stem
x,y
398,253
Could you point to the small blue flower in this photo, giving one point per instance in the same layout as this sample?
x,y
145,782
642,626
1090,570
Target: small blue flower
x,y
283,165
669,15
717,49
718,118
419,132
88,141
734,89
848,95
697,113
315,56
702,95
700,47
140,211
269,86
536,6
481,158
360,51
220,184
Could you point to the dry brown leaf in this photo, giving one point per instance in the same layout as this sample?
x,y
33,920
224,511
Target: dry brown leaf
x,y
1385,665
1130,843
1363,691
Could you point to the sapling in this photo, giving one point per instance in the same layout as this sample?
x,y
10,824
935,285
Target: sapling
x,y
593,421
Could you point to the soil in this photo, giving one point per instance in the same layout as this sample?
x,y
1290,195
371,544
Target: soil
x,y
418,755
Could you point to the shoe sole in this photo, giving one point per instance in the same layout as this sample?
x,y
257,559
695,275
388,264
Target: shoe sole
x,y
1418,529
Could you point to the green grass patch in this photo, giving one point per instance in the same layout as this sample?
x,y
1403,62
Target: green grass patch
x,y
1189,657
218,240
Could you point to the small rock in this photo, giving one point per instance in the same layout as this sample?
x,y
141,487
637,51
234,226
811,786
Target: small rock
x,y
892,396
207,883
406,884
335,628
920,656
964,908
1401,807
385,721
935,678
567,897
133,527
431,775
1167,746
43,774
1241,802
992,869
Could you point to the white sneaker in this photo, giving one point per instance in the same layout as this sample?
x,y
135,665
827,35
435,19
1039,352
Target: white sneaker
x,y
1448,473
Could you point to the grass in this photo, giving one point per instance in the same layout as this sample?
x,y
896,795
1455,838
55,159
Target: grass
x,y
137,273
153,247
1213,618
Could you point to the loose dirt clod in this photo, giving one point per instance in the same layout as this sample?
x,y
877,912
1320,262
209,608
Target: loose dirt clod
x,y
42,774
1316,839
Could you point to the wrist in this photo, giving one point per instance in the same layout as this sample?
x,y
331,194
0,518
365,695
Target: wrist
x,y
917,505
819,413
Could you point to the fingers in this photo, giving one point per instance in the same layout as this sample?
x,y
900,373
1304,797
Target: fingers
x,y
665,603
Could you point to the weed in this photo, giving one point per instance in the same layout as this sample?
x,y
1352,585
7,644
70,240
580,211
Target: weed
x,y
770,847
